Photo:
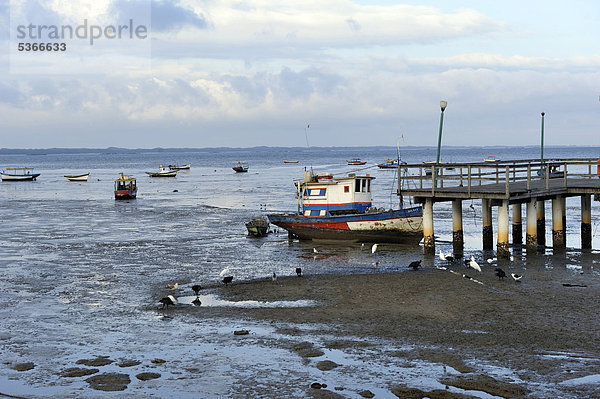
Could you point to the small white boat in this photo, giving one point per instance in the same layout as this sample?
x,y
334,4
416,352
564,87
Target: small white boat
x,y
491,159
83,177
18,174
163,172
180,167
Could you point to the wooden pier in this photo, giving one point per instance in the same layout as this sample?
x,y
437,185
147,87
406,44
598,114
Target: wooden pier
x,y
504,184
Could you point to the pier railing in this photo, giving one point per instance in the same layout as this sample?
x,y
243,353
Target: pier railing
x,y
472,176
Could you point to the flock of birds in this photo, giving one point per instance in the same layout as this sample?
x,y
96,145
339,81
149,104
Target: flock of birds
x,y
227,274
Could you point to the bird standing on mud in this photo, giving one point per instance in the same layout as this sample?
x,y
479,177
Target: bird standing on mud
x,y
500,273
168,300
298,272
516,277
274,277
227,280
415,265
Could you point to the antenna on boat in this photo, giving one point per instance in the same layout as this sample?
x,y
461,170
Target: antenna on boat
x,y
308,147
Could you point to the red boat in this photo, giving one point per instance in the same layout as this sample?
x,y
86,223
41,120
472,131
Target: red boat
x,y
356,161
241,167
125,187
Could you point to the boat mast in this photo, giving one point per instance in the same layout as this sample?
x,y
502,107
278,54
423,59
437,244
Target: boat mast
x,y
401,199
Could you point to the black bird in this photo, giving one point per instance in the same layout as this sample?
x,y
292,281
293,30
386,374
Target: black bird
x,y
197,301
274,277
227,279
467,276
168,300
450,258
467,262
196,288
298,272
415,265
500,273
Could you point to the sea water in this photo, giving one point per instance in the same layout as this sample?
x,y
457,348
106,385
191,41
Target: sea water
x,y
82,273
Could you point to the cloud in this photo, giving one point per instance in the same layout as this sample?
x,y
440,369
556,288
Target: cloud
x,y
165,15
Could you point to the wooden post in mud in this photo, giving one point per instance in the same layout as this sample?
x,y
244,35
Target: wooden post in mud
x,y
541,223
488,231
564,216
457,227
586,221
428,237
502,246
517,225
558,237
531,235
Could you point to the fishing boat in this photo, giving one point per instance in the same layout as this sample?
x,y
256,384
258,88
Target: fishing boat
x,y
83,177
180,167
341,209
125,187
388,164
18,174
356,161
286,161
258,227
491,158
163,172
241,167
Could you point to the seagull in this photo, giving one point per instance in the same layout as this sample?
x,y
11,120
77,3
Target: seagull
x,y
227,280
517,277
168,300
442,256
415,265
500,273
274,277
173,286
315,250
374,248
298,272
196,288
226,271
474,264
492,260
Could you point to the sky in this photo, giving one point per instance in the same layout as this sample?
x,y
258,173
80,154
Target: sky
x,y
258,73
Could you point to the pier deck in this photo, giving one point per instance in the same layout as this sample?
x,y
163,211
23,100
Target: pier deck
x,y
501,184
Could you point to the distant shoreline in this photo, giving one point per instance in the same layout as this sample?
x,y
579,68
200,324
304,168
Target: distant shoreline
x,y
109,150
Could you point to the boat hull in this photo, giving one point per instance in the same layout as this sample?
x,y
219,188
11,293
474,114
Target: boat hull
x,y
162,174
78,177
403,226
10,177
125,194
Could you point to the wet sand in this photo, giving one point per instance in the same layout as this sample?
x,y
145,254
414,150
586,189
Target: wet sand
x,y
547,332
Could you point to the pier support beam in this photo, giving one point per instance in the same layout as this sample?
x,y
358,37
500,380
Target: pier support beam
x,y
541,223
502,247
586,222
457,228
488,231
517,225
428,237
558,234
531,236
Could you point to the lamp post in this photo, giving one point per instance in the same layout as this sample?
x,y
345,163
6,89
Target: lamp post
x,y
443,105
542,145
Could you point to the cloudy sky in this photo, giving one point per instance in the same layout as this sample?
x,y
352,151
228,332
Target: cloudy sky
x,y
257,72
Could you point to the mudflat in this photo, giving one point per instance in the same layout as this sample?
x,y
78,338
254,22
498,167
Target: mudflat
x,y
546,326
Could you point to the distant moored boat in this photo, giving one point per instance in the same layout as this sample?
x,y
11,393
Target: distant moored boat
x,y
83,177
241,167
18,174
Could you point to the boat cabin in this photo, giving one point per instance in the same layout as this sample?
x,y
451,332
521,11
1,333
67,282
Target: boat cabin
x,y
334,196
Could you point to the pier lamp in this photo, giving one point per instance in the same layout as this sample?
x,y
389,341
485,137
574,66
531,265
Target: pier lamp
x,y
542,143
443,105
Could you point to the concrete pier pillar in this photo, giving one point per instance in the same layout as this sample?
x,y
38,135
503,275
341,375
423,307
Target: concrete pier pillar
x,y
488,231
531,230
428,237
517,225
502,247
541,223
457,227
586,222
558,236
